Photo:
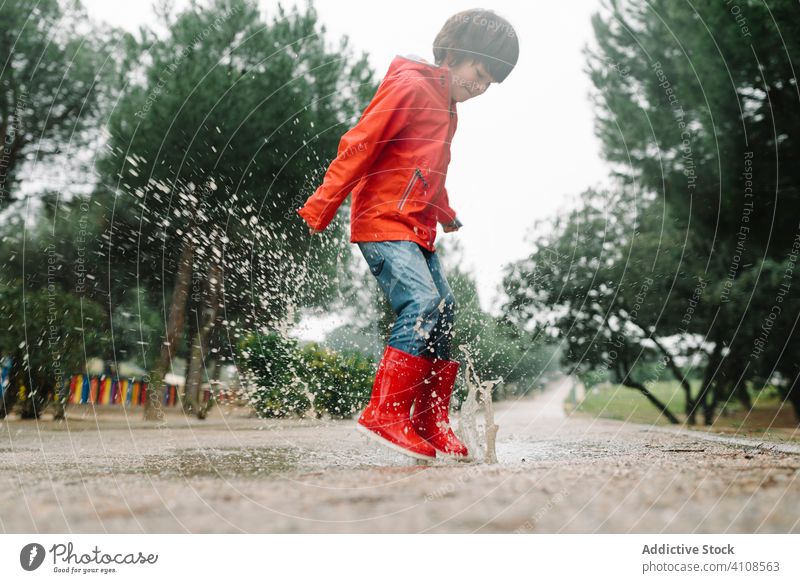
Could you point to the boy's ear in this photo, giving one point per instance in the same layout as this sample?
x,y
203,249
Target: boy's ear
x,y
448,59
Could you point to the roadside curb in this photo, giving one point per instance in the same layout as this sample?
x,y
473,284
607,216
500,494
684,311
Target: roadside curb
x,y
769,446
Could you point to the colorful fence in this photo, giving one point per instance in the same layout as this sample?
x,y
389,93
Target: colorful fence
x,y
5,369
107,390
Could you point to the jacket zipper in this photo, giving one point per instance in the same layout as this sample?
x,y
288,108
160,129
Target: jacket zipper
x,y
417,175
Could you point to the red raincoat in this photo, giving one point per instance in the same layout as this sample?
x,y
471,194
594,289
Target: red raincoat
x,y
394,161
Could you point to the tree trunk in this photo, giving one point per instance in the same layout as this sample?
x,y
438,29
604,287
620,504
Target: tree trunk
x,y
206,320
743,396
215,386
61,401
190,400
217,367
678,373
626,380
711,402
153,407
793,396
730,383
710,373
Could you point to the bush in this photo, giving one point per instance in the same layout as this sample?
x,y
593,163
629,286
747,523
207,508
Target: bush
x,y
273,362
290,380
340,382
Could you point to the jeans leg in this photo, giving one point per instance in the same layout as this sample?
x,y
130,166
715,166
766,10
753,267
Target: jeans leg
x,y
404,277
442,335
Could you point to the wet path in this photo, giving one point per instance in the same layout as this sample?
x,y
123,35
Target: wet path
x,y
232,474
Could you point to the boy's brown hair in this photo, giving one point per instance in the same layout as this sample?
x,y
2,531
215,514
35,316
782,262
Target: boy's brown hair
x,y
478,35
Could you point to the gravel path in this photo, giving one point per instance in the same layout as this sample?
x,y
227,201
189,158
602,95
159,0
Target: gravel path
x,y
236,474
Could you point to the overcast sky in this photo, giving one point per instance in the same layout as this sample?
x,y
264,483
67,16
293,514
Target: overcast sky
x,y
521,150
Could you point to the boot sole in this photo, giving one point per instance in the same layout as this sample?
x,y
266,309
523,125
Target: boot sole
x,y
452,456
385,442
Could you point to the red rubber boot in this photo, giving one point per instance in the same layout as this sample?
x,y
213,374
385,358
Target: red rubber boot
x,y
431,416
387,416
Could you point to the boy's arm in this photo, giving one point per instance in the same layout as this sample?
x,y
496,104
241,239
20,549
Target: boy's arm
x,y
387,114
444,214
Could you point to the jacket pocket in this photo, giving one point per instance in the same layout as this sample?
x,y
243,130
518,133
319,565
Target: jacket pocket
x,y
412,182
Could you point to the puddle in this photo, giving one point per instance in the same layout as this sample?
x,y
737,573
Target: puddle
x,y
233,463
220,462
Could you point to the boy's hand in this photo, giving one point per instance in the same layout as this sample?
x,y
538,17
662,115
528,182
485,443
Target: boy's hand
x,y
455,225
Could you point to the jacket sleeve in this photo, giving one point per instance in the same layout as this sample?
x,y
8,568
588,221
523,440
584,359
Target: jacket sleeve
x,y
387,114
444,214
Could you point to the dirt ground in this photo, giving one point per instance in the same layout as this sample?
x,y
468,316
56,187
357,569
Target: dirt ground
x,y
556,473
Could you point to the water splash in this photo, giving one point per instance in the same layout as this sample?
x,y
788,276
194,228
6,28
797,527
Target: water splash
x,y
479,440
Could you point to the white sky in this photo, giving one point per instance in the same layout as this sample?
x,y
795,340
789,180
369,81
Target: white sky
x,y
522,150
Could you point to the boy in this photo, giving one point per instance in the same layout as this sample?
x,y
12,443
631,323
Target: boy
x,y
394,162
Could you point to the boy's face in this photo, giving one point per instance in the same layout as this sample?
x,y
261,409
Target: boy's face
x,y
468,79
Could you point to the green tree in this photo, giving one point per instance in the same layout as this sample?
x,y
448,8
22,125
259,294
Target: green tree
x,y
213,151
615,278
54,70
593,278
697,105
47,332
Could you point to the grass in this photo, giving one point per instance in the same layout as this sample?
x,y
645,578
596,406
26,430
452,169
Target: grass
x,y
769,418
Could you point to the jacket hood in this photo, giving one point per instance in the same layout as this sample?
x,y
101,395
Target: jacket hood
x,y
413,65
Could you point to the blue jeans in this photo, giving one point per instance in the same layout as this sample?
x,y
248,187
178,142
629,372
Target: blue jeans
x,y
413,282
